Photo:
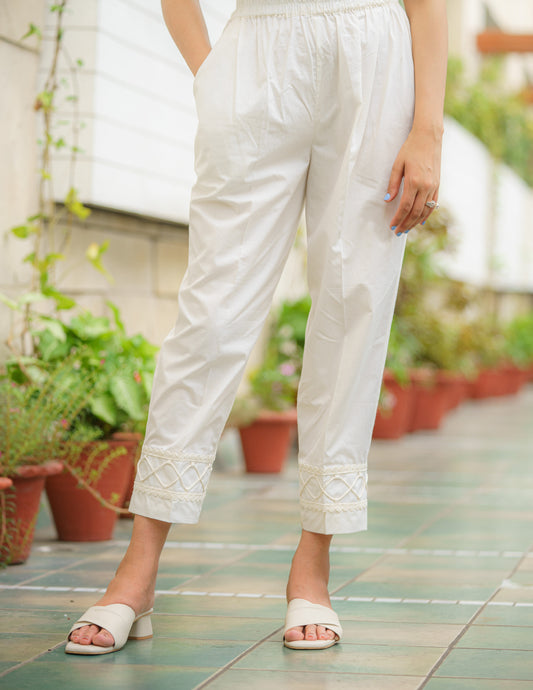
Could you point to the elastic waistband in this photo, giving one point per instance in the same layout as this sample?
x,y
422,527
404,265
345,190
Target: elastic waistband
x,y
250,8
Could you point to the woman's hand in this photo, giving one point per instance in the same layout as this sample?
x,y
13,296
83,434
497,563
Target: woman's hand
x,y
418,162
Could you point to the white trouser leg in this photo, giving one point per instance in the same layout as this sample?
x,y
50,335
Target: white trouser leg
x,y
275,92
251,160
354,259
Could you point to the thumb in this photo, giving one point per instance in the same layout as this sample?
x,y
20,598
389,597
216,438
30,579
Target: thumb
x,y
394,181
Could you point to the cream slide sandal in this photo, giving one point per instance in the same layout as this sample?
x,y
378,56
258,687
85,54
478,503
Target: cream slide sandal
x,y
119,620
303,612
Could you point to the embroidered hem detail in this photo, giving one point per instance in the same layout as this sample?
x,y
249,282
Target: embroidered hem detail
x,y
333,488
175,476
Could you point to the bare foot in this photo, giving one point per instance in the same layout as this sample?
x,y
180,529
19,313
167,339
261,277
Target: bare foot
x,y
121,590
308,579
134,581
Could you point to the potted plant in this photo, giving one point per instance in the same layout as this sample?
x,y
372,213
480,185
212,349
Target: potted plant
x,y
396,396
38,428
519,345
124,366
488,351
266,418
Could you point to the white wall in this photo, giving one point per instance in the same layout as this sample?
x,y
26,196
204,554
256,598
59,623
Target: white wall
x,y
136,103
492,210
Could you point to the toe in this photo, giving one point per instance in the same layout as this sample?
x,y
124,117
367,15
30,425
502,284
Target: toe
x,y
310,632
294,634
103,638
322,633
325,633
87,633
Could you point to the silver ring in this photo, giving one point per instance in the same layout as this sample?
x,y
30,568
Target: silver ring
x,y
432,204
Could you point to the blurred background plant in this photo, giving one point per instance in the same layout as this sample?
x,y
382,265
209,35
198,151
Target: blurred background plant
x,y
122,365
487,109
274,384
41,414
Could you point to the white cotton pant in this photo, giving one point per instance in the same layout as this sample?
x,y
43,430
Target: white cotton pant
x,y
299,104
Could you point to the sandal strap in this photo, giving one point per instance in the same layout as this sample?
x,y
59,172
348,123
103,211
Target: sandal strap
x,y
303,612
116,618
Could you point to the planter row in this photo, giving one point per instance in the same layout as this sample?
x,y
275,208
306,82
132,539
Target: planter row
x,y
425,400
77,514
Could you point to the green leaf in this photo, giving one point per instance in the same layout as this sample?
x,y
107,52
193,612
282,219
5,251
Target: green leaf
x,y
79,62
62,301
103,407
33,30
9,302
24,231
116,315
75,206
128,395
30,297
93,255
55,327
147,382
51,349
45,99
88,327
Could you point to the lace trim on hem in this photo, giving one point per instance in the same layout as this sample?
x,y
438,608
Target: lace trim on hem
x,y
180,474
165,493
166,454
326,470
333,486
334,508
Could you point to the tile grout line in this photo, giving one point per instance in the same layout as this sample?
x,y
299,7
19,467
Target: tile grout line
x,y
468,625
233,546
33,658
58,570
263,595
231,663
424,525
418,530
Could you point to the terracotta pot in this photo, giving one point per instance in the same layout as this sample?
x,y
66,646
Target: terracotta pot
x,y
78,515
489,383
132,441
5,483
267,441
22,502
431,401
513,378
392,418
454,386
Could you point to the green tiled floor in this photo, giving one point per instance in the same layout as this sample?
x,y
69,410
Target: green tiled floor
x,y
437,593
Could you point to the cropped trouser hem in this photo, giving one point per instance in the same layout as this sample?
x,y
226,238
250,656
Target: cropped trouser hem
x,y
173,508
171,486
327,521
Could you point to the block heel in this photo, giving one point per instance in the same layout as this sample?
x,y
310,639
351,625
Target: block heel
x,y
141,628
